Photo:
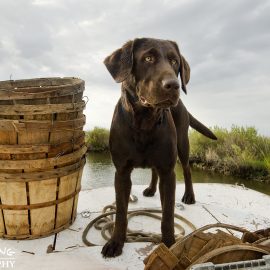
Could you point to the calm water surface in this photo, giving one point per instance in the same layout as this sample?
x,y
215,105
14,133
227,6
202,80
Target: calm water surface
x,y
99,172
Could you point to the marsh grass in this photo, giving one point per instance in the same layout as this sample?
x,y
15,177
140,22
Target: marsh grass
x,y
97,140
240,151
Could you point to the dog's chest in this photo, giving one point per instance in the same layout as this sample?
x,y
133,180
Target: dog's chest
x,y
142,141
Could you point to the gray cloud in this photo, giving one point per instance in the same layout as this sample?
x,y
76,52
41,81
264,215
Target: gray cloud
x,y
225,43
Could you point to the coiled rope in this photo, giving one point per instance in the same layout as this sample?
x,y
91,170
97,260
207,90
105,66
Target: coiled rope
x,y
105,223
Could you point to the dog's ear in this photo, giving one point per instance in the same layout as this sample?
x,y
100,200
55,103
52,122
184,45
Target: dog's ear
x,y
184,69
120,62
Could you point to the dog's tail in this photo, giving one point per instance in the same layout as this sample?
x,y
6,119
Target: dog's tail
x,y
197,125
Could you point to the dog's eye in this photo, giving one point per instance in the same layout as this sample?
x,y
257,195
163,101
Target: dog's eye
x,y
174,62
149,59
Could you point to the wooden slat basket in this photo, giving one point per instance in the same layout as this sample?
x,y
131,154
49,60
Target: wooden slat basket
x,y
42,155
210,244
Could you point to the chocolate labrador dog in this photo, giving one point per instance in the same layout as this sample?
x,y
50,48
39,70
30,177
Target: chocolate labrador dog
x,y
149,128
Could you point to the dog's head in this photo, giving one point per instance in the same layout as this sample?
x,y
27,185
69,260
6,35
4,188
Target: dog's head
x,y
152,66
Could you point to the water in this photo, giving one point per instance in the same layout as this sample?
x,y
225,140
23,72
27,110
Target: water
x,y
99,172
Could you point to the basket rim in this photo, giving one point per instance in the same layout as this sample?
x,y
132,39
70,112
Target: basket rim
x,y
9,91
14,83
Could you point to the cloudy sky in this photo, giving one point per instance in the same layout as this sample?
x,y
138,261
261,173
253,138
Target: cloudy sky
x,y
225,42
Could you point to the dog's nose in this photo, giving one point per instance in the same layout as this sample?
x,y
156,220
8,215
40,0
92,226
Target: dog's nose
x,y
170,84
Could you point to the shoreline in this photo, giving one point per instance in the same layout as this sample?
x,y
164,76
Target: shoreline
x,y
244,172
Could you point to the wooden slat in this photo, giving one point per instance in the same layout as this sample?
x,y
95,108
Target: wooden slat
x,y
30,237
39,148
50,94
44,175
68,135
7,137
21,125
16,220
58,136
43,163
2,225
234,253
66,187
32,137
41,109
37,205
42,220
78,187
23,149
67,147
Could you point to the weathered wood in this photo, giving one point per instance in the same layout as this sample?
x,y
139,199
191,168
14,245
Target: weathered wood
x,y
40,88
201,246
198,236
58,135
16,221
43,175
41,109
28,84
66,187
32,137
16,207
42,152
26,151
43,164
7,137
30,237
2,225
22,125
2,222
75,202
232,253
42,192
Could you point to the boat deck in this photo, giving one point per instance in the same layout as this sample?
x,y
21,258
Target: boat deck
x,y
231,204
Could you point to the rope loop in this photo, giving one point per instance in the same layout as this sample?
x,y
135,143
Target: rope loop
x,y
105,223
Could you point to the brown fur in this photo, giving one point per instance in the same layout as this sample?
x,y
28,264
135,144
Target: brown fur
x,y
149,128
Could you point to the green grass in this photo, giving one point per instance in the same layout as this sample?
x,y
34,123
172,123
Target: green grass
x,y
240,151
97,140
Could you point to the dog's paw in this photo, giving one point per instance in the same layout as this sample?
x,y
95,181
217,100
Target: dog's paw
x,y
149,192
112,248
188,198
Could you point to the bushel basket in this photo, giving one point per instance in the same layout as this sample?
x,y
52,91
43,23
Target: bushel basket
x,y
42,155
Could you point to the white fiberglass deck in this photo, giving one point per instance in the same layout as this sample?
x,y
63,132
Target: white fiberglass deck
x,y
225,203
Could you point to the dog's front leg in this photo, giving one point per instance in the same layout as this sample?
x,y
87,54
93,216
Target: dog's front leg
x,y
122,185
167,197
